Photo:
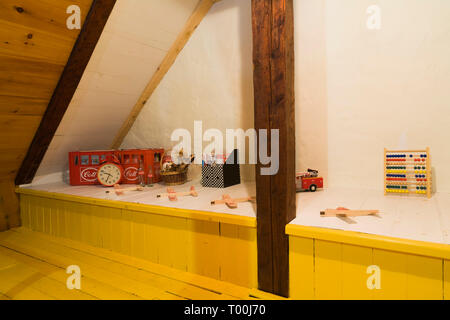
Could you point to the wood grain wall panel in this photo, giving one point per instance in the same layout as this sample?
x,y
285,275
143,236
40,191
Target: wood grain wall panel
x,y
24,67
9,158
28,78
17,131
20,41
38,30
44,15
16,105
34,48
9,204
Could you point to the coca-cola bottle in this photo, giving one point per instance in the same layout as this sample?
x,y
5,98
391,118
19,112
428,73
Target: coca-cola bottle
x,y
150,177
141,174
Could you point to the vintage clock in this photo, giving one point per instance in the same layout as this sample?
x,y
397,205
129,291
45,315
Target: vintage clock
x,y
110,174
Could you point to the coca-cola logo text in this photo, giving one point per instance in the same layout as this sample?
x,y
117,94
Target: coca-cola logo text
x,y
131,173
89,174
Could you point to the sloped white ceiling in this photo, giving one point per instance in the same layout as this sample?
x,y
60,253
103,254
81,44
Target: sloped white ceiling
x,y
133,44
211,81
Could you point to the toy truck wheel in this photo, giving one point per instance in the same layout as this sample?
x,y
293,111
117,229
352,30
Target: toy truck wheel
x,y
312,188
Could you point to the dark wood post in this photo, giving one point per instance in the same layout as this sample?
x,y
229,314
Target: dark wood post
x,y
273,58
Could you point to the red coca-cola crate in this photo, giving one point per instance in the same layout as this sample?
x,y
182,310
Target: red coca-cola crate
x,y
84,165
150,159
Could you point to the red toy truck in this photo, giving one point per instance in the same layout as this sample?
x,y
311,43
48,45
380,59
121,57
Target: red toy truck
x,y
84,165
309,181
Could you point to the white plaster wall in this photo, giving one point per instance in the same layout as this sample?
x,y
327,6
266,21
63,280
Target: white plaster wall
x,y
311,113
211,81
361,90
386,88
357,91
136,38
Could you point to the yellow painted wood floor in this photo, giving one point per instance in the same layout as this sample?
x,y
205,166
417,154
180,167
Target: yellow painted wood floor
x,y
33,266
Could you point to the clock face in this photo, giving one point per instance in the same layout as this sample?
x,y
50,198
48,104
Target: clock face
x,y
109,174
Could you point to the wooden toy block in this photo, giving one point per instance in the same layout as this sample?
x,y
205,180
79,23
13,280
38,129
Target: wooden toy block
x,y
232,203
173,196
121,191
344,212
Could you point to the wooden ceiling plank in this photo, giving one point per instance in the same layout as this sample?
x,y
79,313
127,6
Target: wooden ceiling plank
x,y
48,16
32,86
20,41
191,25
12,156
20,131
67,85
28,78
14,123
15,105
14,140
45,69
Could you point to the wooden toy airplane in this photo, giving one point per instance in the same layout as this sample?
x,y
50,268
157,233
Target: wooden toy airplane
x,y
344,212
232,203
121,191
173,196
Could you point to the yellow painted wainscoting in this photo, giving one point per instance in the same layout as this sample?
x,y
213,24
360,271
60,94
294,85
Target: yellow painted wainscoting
x,y
332,264
219,246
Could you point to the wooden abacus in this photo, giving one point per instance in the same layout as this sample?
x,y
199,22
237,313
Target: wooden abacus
x,y
407,171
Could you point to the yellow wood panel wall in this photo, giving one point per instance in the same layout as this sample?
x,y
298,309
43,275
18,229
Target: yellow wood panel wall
x,y
221,251
446,280
330,270
301,268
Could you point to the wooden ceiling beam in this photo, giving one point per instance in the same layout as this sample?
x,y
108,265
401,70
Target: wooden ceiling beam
x,y
191,25
84,47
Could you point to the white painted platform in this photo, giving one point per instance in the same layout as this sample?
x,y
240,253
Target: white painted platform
x,y
407,217
149,196
401,216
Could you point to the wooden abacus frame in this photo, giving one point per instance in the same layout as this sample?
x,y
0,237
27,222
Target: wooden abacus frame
x,y
409,171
